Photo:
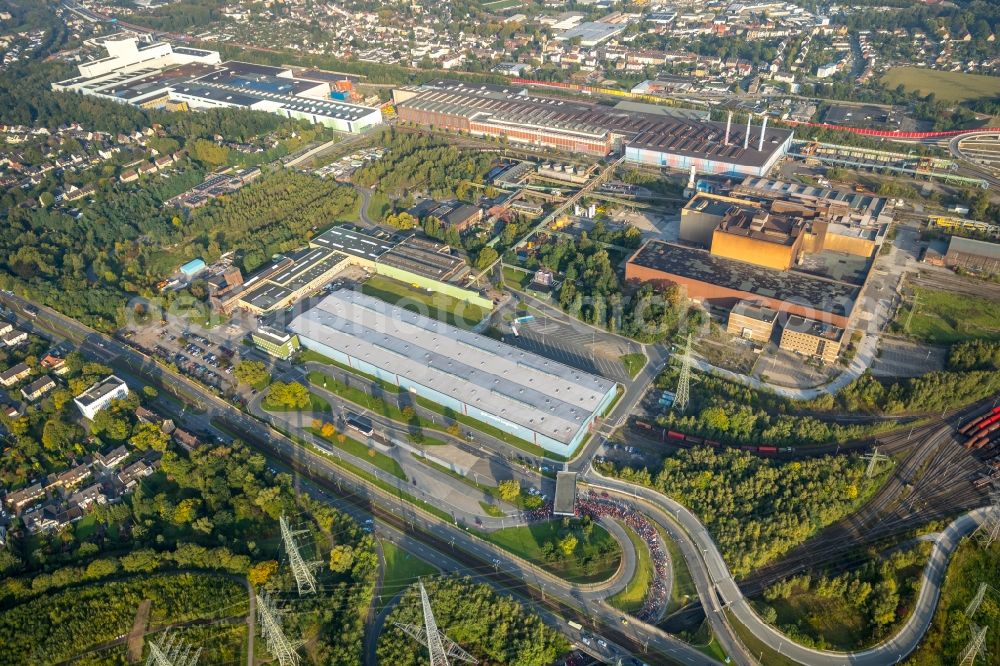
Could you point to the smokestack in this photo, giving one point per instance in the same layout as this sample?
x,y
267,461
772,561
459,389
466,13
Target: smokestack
x,y
729,123
760,144
746,139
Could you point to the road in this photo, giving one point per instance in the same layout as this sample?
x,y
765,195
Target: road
x,y
716,586
314,467
710,571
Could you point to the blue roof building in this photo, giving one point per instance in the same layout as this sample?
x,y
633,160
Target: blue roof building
x,y
193,267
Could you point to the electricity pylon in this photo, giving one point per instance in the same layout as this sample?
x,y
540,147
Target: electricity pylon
x,y
989,530
683,396
302,570
873,458
270,628
973,606
171,652
440,646
974,646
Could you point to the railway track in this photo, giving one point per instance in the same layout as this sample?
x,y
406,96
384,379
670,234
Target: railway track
x,y
485,569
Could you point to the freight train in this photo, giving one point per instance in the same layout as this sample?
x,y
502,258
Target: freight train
x,y
676,438
981,430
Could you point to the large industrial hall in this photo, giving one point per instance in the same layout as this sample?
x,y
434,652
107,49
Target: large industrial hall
x,y
524,394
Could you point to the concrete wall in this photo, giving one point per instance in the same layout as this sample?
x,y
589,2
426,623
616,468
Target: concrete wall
x,y
754,251
697,226
727,298
466,295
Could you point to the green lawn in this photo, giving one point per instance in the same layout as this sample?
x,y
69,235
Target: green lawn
x,y
402,569
757,647
308,355
683,590
492,510
316,404
594,560
939,317
514,277
634,363
946,86
85,527
631,599
432,304
363,451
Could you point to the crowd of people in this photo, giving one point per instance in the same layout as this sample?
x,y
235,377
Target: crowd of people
x,y
596,506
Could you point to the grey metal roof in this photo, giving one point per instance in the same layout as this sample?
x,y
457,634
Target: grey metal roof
x,y
511,384
976,247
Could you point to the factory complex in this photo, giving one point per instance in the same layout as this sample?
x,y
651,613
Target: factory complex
x,y
161,75
786,261
654,138
526,395
412,259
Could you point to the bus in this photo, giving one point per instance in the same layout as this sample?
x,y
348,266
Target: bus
x,y
362,424
575,625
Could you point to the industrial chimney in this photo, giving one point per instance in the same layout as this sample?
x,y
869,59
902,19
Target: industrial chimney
x,y
746,139
729,124
760,144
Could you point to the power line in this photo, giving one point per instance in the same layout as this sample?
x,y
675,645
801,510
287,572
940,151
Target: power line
x,y
683,396
873,458
438,645
171,651
302,570
989,530
270,628
974,646
973,606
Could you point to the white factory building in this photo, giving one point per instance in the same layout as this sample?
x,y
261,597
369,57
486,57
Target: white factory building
x,y
529,396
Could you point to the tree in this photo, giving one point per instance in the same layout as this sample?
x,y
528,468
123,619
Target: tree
x,y
509,490
261,572
486,257
148,436
208,152
341,558
58,435
252,373
291,395
567,545
107,424
149,392
328,429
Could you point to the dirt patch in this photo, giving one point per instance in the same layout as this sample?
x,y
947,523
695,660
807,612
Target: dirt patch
x,y
135,637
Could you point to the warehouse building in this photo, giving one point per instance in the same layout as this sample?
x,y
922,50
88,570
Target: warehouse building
x,y
973,255
562,124
288,280
158,74
723,282
751,321
411,259
521,393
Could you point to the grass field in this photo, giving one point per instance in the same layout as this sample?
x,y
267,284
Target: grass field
x,y
401,570
633,596
683,590
594,560
359,450
758,648
633,363
431,304
941,318
946,86
513,277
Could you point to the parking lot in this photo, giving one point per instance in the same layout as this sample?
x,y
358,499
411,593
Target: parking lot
x,y
347,165
901,358
578,346
195,355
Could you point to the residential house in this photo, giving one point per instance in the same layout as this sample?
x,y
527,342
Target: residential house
x,y
15,374
131,475
20,499
187,441
71,477
15,337
54,364
86,498
38,388
113,458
